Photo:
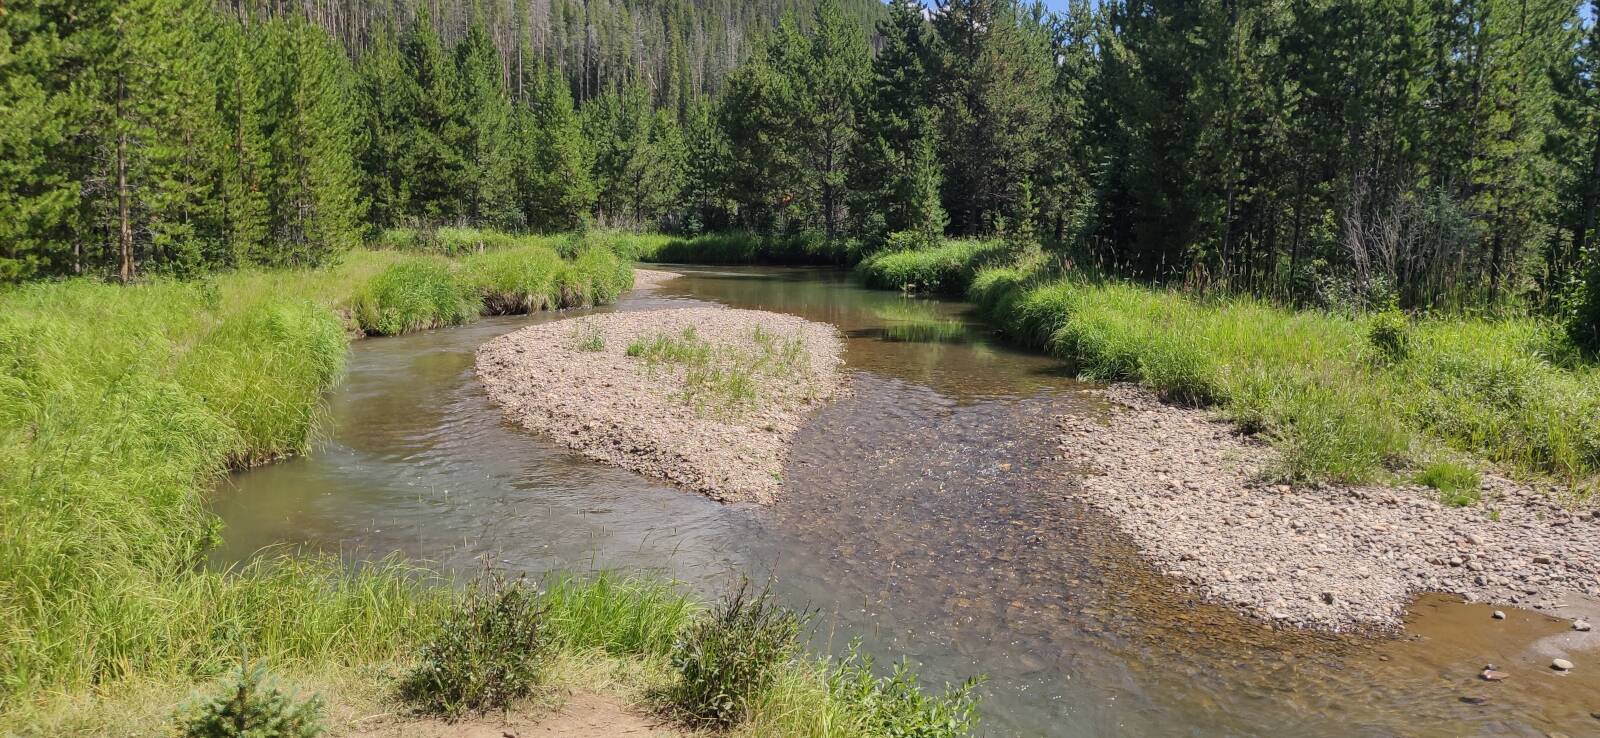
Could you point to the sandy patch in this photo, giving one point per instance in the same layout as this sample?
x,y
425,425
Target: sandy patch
x,y
582,716
1184,486
649,279
664,418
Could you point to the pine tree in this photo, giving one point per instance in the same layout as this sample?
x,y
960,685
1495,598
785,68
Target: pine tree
x,y
45,107
160,130
490,152
434,171
895,156
315,138
385,94
705,198
830,97
243,190
559,194
994,72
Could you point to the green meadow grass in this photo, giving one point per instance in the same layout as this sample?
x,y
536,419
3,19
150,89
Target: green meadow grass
x,y
1347,398
948,267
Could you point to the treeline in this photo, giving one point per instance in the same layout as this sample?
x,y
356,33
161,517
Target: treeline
x,y
1372,150
178,136
1366,151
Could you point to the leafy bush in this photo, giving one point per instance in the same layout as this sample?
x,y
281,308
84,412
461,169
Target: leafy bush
x,y
1458,485
416,293
249,706
485,655
727,658
897,707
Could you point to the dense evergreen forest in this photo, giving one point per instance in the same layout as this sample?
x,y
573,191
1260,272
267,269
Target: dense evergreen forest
x,y
1421,153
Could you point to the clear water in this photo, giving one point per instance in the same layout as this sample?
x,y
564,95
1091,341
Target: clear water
x,y
925,515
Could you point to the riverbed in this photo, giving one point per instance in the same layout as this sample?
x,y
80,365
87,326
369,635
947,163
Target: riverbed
x,y
928,514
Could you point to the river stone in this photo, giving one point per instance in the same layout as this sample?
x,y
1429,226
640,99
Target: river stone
x,y
1561,665
1581,625
1499,615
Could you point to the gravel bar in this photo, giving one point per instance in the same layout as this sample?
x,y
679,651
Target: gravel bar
x,y
1189,490
555,380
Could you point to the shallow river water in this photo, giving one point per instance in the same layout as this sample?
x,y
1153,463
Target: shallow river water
x,y
925,514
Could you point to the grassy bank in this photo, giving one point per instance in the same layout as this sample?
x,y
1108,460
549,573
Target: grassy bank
x,y
948,268
734,249
1346,397
121,406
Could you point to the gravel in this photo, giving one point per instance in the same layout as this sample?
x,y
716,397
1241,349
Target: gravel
x,y
620,410
1190,491
646,279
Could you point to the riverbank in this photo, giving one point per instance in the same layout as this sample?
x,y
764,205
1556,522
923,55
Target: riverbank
x,y
120,407
1196,497
706,398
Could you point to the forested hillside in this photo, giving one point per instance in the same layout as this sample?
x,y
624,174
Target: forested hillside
x,y
1371,151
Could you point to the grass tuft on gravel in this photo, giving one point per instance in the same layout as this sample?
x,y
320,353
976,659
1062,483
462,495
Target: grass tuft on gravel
x,y
720,376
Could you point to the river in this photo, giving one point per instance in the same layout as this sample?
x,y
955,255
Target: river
x,y
926,514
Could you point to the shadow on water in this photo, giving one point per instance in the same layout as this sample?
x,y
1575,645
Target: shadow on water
x,y
926,514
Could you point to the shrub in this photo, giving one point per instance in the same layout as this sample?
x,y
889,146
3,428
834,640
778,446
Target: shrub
x,y
415,294
897,707
249,706
725,660
487,654
1458,485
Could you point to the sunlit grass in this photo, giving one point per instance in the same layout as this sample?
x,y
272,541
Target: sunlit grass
x,y
1341,404
721,376
948,268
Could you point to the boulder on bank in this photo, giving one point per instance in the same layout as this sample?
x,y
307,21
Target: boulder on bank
x,y
708,399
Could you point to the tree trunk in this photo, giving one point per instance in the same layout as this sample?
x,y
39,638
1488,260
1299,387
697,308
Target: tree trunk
x,y
124,207
1591,201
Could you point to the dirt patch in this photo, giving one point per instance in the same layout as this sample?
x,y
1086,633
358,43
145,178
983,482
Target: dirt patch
x,y
649,279
1186,487
582,716
706,398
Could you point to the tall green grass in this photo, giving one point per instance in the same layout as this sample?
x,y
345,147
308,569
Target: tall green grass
x,y
949,267
743,248
118,406
419,292
1336,392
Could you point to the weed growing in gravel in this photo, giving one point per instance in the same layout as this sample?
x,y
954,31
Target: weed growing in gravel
x,y
587,336
727,658
250,706
1458,485
487,654
721,376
